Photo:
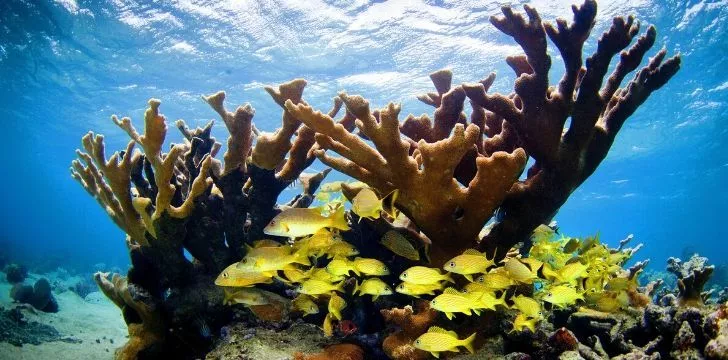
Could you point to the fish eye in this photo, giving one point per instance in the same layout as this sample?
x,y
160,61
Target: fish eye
x,y
300,287
272,222
540,312
465,291
225,275
452,264
404,275
434,302
417,342
549,295
244,261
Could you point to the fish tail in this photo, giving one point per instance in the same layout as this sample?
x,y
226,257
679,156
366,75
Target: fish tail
x,y
301,257
340,287
338,219
448,277
388,204
468,343
356,287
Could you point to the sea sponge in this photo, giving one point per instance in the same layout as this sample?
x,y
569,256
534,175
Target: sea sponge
x,y
411,325
15,273
334,352
39,295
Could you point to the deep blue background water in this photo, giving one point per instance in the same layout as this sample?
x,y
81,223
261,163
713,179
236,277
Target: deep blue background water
x,y
66,66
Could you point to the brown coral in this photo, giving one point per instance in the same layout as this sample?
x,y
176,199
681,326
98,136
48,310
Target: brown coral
x,y
451,178
411,325
334,352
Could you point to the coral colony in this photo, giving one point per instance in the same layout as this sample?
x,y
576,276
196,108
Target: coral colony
x,y
416,252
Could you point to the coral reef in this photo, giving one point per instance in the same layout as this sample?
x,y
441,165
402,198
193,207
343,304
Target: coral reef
x,y
691,278
448,176
39,295
410,325
334,352
15,273
434,156
188,200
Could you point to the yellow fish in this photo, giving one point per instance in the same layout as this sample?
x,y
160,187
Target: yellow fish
x,y
437,340
528,306
398,244
341,267
374,287
572,272
421,275
341,248
548,273
298,222
416,290
474,287
496,280
452,301
571,245
294,275
266,243
371,267
533,264
235,277
305,304
272,259
521,322
334,186
324,275
470,262
245,296
317,243
328,325
608,302
366,204
315,287
562,296
489,301
336,304
518,271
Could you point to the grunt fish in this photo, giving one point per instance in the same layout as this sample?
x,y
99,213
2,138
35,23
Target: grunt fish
x,y
437,340
424,276
366,204
372,267
298,222
470,262
374,287
398,244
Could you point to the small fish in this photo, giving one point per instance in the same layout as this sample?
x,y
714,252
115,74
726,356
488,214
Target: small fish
x,y
518,271
496,280
416,290
437,340
528,306
341,267
367,205
489,301
246,296
474,287
305,304
336,304
329,187
563,296
298,222
341,248
608,302
317,243
533,264
323,275
266,243
521,321
542,233
295,275
619,284
572,272
272,259
398,244
328,325
234,277
315,287
470,262
421,275
374,287
571,245
548,273
371,267
452,301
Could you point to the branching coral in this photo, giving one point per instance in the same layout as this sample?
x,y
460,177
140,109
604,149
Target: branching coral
x,y
186,199
431,163
411,325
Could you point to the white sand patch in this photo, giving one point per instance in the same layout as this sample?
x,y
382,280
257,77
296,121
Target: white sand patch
x,y
78,319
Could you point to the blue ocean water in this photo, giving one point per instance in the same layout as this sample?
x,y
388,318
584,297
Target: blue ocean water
x,y
66,66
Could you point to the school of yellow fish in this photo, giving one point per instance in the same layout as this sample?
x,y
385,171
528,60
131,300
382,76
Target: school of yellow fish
x,y
562,272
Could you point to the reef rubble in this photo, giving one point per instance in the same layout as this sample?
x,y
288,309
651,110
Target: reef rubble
x,y
455,185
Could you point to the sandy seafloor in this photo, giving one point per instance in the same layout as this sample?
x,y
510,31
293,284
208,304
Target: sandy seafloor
x,y
84,320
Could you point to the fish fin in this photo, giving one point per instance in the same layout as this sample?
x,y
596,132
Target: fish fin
x,y
472,252
375,297
448,278
248,248
301,257
338,219
435,354
356,288
388,204
449,315
468,343
469,277
451,291
476,311
437,329
340,287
